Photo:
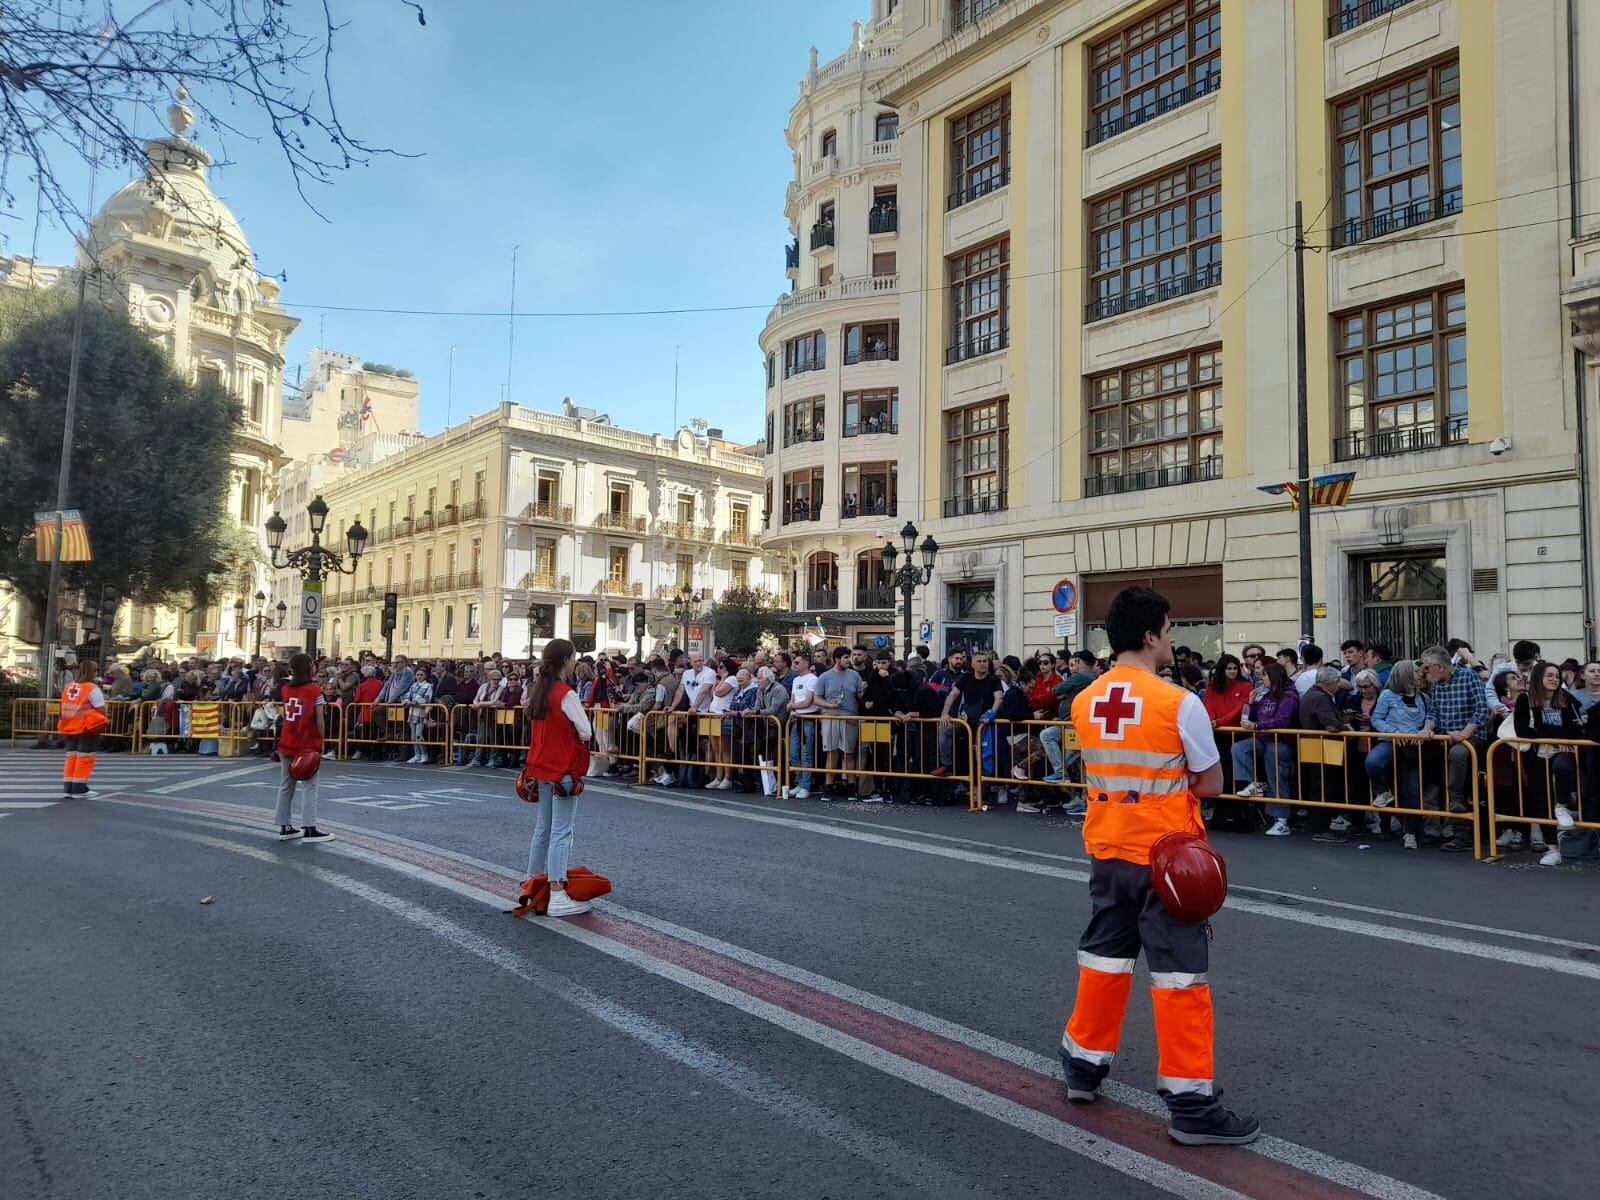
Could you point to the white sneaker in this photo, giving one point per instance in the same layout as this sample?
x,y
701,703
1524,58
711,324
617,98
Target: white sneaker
x,y
1410,841
1383,800
1340,824
801,794
1395,825
563,905
664,779
1511,839
1252,790
1374,824
1280,828
1564,817
1551,859
1536,840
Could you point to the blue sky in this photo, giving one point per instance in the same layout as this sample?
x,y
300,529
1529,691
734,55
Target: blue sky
x,y
634,151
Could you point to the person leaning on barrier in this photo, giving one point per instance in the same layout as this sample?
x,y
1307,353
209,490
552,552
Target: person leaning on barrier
x,y
1081,674
1262,764
1456,708
1550,773
1394,766
1323,778
1148,753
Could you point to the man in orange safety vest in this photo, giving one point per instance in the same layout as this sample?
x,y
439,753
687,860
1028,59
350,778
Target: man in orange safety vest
x,y
83,716
1148,752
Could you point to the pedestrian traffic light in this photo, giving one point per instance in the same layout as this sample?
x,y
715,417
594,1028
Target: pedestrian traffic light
x,y
391,606
109,600
638,619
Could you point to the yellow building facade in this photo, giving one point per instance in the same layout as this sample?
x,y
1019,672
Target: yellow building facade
x,y
1097,281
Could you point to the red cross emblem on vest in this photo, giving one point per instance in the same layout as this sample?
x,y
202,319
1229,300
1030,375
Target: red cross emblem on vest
x,y
1115,710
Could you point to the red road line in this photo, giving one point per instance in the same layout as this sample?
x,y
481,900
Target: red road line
x,y
1251,1174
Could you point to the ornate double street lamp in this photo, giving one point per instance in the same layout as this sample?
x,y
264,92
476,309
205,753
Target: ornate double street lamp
x,y
909,577
686,607
314,561
260,620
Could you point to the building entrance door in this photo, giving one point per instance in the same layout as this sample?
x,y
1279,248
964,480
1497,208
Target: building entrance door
x,y
1402,602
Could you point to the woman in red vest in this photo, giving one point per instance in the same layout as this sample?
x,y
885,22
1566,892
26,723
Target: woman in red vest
x,y
83,717
558,758
301,730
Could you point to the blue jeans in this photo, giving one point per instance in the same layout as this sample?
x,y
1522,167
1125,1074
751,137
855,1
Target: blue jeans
x,y
1382,770
803,750
1275,757
552,836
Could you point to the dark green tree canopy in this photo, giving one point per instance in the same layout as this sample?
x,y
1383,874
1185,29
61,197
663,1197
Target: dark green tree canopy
x,y
741,616
150,457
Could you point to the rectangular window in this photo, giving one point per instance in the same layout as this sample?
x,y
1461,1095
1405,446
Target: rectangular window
x,y
1397,154
544,562
1154,66
433,495
427,622
822,233
980,151
802,495
1156,424
477,558
617,564
825,275
979,300
874,341
1349,14
883,263
1402,376
870,490
1159,238
976,454
247,499
830,143
449,621
618,626
478,481
965,12
886,127
455,493
366,628
684,571
685,510
473,628
739,523
739,573
884,215
547,495
769,432
621,501
258,401
808,352
875,411
772,370
766,513
803,421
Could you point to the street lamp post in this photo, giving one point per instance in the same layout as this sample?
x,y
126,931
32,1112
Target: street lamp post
x,y
909,576
315,561
686,606
261,620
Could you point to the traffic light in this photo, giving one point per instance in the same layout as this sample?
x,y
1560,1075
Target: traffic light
x,y
109,600
391,607
638,619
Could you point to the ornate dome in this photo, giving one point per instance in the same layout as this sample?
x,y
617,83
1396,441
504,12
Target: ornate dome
x,y
173,202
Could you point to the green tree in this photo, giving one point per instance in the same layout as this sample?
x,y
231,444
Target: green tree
x,y
741,616
150,458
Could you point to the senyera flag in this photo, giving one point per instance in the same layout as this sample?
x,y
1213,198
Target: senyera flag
x,y
74,536
1331,491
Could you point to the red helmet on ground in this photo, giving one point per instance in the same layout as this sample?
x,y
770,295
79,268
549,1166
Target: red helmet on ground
x,y
305,764
1189,876
527,789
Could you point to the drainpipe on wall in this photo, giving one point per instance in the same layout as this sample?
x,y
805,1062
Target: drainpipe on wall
x,y
1579,359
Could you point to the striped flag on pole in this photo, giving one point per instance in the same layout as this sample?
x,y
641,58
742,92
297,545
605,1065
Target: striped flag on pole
x,y
1330,491
74,536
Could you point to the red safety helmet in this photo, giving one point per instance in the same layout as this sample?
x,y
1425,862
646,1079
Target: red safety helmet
x,y
1189,876
527,788
305,765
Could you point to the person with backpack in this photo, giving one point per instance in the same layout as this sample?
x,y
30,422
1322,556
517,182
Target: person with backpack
x,y
558,758
299,730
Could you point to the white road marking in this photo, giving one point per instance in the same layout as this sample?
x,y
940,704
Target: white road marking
x,y
1242,903
31,803
209,779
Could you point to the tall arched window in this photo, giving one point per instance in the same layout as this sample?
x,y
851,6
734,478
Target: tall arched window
x,y
872,580
822,580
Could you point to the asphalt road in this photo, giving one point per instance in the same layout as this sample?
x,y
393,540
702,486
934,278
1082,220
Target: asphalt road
x,y
779,999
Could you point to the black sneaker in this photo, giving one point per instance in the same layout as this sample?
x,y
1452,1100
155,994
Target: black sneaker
x,y
1328,835
1455,845
313,834
287,833
1225,1128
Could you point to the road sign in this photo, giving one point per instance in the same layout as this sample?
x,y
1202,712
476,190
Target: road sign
x,y
925,632
1066,625
1065,596
311,605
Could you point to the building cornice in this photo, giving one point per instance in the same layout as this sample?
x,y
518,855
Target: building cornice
x,y
952,53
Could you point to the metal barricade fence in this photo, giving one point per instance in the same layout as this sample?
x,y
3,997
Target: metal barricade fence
x,y
722,744
183,726
397,730
1347,771
33,716
1528,778
1016,755
612,741
907,749
488,731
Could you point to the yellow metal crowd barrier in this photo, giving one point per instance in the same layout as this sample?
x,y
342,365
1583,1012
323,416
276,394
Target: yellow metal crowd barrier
x,y
1529,777
1307,768
876,748
488,729
35,717
721,743
182,722
400,726
1019,761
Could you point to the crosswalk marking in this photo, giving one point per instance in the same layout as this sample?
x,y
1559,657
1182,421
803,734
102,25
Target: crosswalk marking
x,y
28,803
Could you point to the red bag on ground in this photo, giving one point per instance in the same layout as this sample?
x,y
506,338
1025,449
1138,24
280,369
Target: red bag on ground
x,y
582,884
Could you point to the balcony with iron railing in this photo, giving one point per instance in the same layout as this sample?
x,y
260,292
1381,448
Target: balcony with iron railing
x,y
976,504
878,507
869,426
881,219
424,522
1383,443
822,235
620,522
450,514
441,583
884,353
1156,477
791,256
544,581
822,598
422,587
469,580
742,538
384,533
875,597
548,512
1166,289
683,531
978,190
1352,14
619,587
1402,216
977,347
799,437
1175,99
801,510
472,510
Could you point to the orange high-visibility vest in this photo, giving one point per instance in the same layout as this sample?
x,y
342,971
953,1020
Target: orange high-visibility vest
x,y
78,715
1134,767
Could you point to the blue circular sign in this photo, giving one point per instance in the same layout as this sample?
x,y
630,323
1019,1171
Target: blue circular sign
x,y
880,641
1064,597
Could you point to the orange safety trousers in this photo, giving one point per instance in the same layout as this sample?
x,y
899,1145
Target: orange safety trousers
x,y
80,764
1127,917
